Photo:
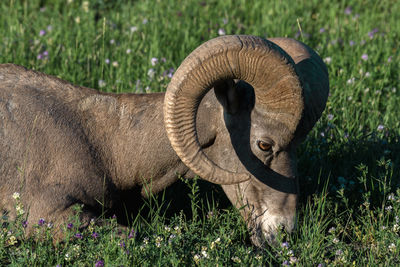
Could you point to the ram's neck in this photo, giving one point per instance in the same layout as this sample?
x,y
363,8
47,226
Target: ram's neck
x,y
128,136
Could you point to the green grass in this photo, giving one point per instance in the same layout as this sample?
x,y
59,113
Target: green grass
x,y
349,165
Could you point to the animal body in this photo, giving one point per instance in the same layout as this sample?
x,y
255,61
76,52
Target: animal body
x,y
234,113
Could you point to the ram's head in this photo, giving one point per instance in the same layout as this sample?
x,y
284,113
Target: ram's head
x,y
271,92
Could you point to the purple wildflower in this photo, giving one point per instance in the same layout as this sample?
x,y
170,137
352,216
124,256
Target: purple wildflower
x,y
372,33
348,10
78,235
114,216
107,61
351,43
364,57
41,222
154,61
99,263
122,244
132,234
45,53
70,225
322,30
42,32
390,59
95,235
380,127
330,116
286,263
25,224
40,56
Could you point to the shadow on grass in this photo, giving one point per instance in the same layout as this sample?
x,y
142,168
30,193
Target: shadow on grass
x,y
341,164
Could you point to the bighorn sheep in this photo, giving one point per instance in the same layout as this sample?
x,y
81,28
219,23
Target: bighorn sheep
x,y
62,144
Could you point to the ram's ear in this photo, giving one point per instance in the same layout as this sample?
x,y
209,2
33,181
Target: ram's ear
x,y
227,95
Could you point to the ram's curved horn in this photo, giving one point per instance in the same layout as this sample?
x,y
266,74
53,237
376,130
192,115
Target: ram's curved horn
x,y
315,79
259,62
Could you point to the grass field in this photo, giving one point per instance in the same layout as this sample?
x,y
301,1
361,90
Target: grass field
x,y
349,165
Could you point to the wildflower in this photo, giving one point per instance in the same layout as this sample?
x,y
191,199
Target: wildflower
x,y
330,117
391,197
351,80
78,236
168,229
154,61
50,225
367,74
70,225
151,73
112,41
19,209
128,51
132,234
221,31
42,32
372,33
380,127
133,28
177,229
122,244
12,240
107,61
158,240
102,83
99,263
335,240
85,6
388,208
364,57
293,260
392,247
348,10
196,258
25,224
339,252
396,228
322,134
16,196
78,20
322,30
236,259
115,64
285,245
224,21
49,28
328,60
390,59
144,21
67,257
285,263
214,243
351,43
204,252
332,230
41,222
146,240
210,215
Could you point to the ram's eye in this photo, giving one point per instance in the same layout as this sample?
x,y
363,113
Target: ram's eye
x,y
264,146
